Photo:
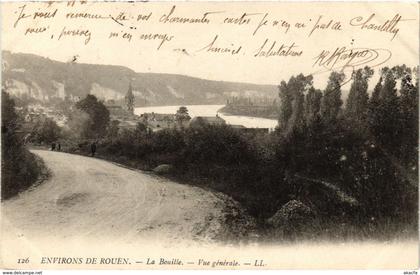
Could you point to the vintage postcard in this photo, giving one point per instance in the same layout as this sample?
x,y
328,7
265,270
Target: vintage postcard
x,y
209,135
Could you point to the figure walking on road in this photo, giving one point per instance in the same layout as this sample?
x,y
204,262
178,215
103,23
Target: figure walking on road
x,y
93,148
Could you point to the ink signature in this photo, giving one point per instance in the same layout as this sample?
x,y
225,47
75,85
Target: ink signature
x,y
344,58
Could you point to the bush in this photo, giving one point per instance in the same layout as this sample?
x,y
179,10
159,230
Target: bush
x,y
19,168
45,131
294,219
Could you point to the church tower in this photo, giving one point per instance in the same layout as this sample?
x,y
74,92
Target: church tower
x,y
129,100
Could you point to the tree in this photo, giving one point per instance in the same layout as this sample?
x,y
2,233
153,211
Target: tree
x,y
141,130
9,116
384,118
292,98
331,103
113,129
78,123
285,104
129,100
98,116
9,123
46,130
376,92
19,169
182,115
409,116
389,92
312,105
357,101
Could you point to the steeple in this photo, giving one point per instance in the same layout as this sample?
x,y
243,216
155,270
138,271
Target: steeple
x,y
129,99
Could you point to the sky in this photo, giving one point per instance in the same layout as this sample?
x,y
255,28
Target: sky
x,y
182,54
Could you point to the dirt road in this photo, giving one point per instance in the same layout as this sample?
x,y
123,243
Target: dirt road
x,y
89,198
93,208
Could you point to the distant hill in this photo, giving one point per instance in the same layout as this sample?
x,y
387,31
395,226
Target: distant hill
x,y
43,79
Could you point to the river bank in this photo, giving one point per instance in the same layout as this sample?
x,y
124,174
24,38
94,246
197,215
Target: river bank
x,y
266,112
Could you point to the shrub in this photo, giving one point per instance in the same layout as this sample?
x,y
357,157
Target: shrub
x,y
19,168
45,131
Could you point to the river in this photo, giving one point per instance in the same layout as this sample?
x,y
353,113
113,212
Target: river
x,y
211,110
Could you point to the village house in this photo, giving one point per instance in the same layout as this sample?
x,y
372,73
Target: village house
x,y
128,124
158,122
200,121
36,113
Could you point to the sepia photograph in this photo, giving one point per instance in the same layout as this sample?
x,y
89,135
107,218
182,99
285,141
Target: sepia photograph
x,y
209,135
